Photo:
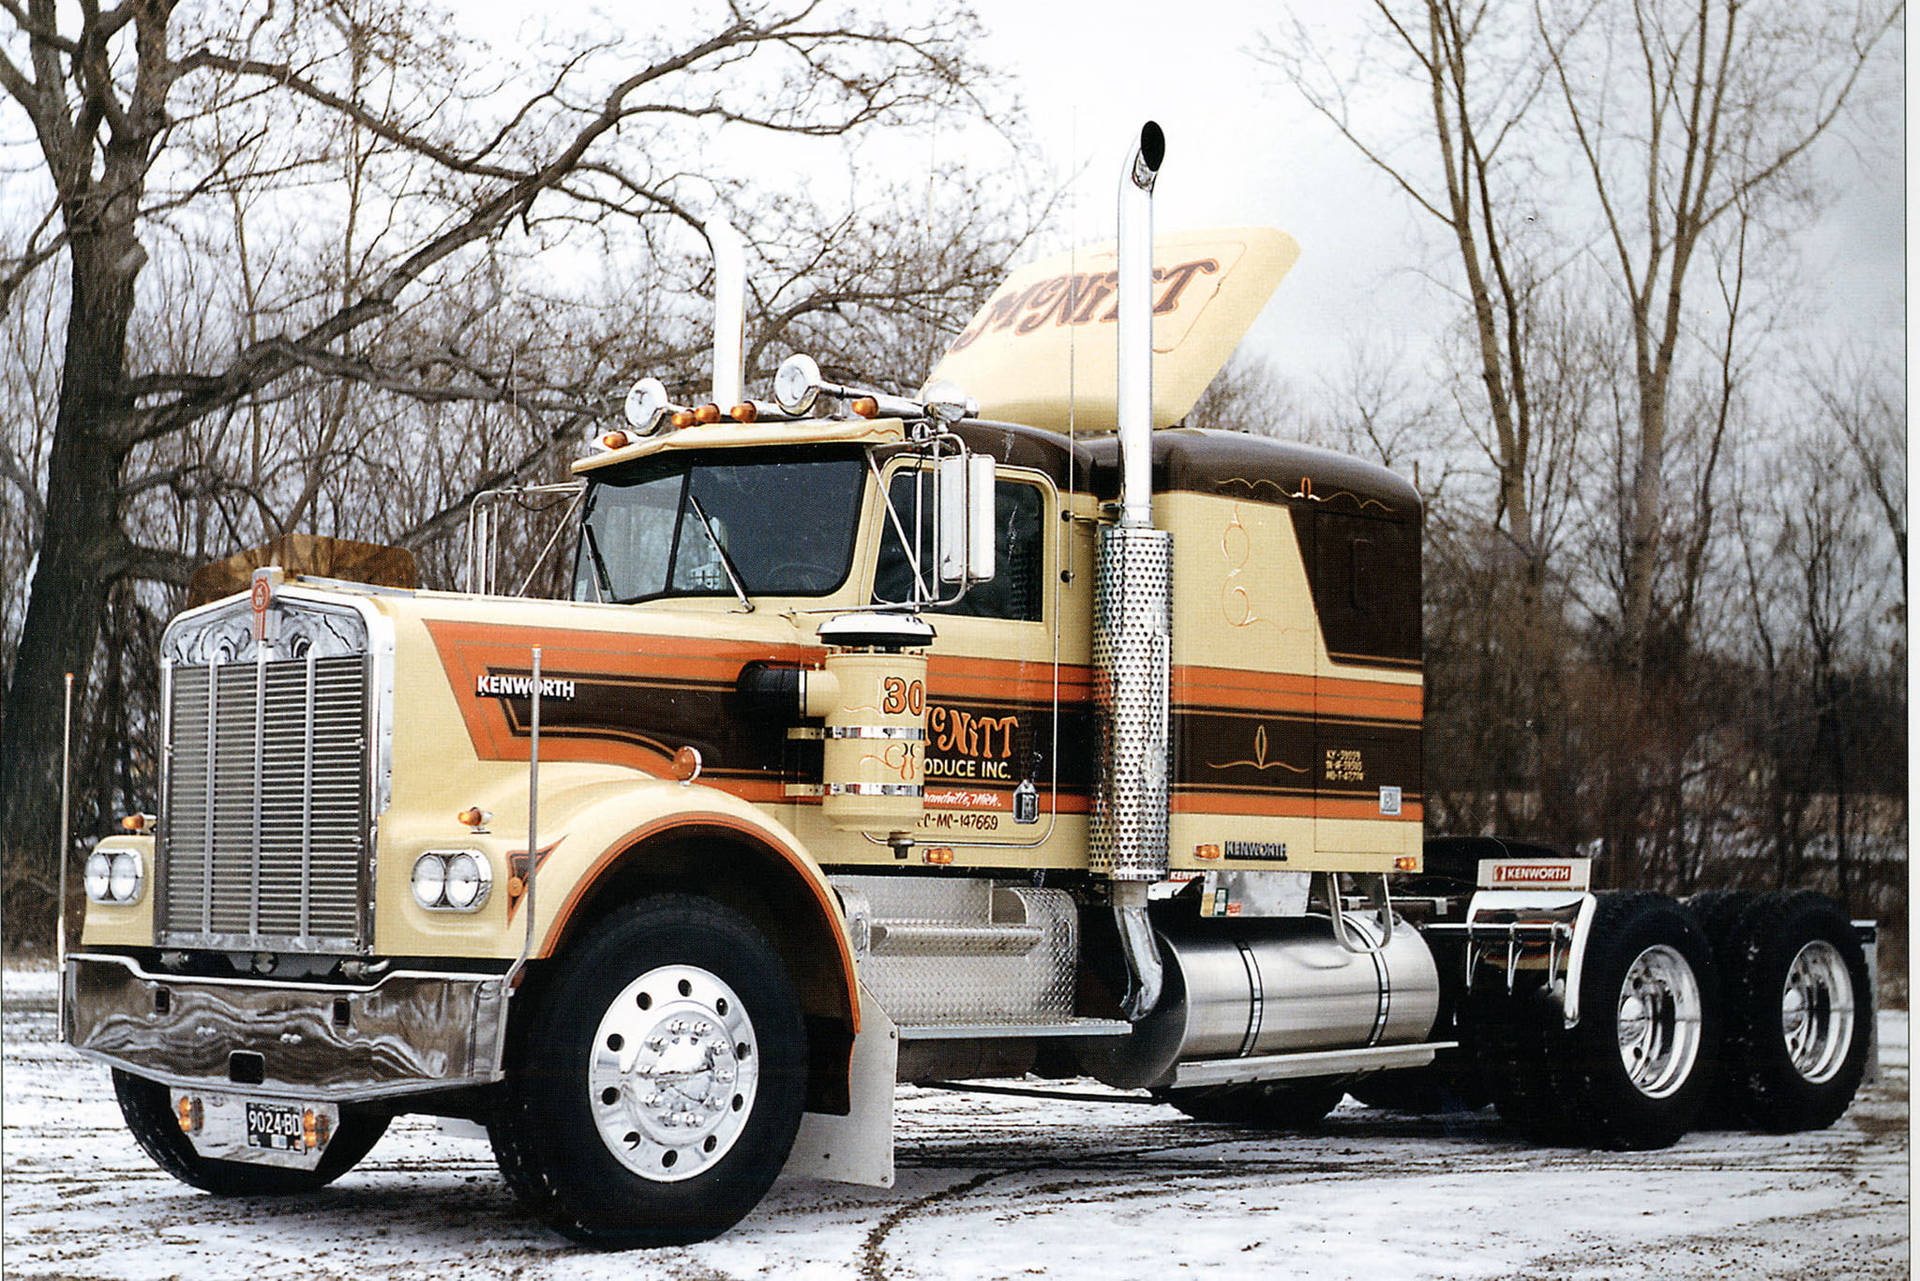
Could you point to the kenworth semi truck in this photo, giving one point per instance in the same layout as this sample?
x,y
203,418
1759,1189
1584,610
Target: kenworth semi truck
x,y
890,739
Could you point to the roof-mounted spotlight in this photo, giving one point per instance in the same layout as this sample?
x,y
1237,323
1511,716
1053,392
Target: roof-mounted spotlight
x,y
946,404
648,407
799,385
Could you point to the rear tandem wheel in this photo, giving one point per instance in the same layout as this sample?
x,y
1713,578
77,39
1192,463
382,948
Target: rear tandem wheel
x,y
1633,1073
1799,1012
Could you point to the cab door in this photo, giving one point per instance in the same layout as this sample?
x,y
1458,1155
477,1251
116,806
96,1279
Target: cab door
x,y
1009,724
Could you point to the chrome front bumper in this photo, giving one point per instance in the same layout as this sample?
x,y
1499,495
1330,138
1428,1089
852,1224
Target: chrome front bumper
x,y
408,1032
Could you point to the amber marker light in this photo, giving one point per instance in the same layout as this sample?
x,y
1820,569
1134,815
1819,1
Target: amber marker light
x,y
615,440
865,406
138,822
686,764
309,1130
938,855
475,817
186,1114
707,414
1406,863
683,418
744,413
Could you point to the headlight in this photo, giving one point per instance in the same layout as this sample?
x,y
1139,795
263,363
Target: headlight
x,y
114,876
99,875
468,880
123,880
452,880
430,880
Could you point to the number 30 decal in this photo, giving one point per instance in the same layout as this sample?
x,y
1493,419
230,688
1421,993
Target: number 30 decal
x,y
897,696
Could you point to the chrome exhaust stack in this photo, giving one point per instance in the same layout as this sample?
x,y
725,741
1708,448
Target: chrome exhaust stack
x,y
1134,401
1133,613
729,311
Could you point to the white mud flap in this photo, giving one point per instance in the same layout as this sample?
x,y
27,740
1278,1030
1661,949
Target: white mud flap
x,y
857,1147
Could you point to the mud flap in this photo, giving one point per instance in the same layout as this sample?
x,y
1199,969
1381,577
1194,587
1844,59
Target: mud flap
x,y
857,1147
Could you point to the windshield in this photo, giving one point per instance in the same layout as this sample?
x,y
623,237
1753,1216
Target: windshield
x,y
784,524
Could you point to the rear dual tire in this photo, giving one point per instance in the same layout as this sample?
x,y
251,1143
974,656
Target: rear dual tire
x,y
1634,1072
1799,1007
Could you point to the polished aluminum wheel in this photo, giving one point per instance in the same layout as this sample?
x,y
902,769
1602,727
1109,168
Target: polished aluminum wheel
x,y
674,1074
1658,1021
1816,1012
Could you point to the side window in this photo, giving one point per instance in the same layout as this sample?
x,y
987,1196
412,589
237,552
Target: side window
x,y
1366,587
1019,554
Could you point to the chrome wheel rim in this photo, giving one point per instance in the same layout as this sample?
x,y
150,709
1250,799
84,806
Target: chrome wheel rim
x,y
1816,1012
674,1072
1658,1021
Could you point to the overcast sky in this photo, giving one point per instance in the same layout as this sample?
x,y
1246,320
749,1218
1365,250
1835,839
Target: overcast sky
x,y
1244,149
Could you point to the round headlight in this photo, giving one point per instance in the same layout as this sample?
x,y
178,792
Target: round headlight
x,y
467,881
430,880
123,881
99,875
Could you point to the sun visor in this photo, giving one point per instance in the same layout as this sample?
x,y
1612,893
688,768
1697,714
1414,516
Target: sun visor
x,y
1045,341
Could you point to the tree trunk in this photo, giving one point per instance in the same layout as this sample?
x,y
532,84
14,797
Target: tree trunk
x,y
80,555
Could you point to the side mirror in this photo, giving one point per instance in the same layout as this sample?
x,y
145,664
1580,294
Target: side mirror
x,y
967,527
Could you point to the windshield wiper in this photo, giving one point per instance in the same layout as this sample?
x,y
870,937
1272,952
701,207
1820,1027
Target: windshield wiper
x,y
605,583
726,561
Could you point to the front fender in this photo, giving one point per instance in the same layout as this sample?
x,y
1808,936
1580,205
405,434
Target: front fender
x,y
600,835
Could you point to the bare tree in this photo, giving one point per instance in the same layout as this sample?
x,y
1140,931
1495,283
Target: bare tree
x,y
1248,394
1865,401
1469,174
1686,113
146,118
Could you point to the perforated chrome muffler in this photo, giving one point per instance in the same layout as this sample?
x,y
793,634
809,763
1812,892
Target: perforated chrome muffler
x,y
1132,660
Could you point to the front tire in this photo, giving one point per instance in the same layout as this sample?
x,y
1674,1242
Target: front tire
x,y
149,1114
1799,1013
656,1080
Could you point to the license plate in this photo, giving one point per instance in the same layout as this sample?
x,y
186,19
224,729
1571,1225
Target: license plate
x,y
233,1127
278,1127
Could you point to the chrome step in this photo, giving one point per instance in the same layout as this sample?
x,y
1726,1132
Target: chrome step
x,y
939,938
1282,1067
990,1031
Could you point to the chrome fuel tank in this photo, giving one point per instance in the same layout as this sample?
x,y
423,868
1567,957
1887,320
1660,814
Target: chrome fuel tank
x,y
1262,987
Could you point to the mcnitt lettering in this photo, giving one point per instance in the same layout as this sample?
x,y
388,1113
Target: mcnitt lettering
x,y
1079,298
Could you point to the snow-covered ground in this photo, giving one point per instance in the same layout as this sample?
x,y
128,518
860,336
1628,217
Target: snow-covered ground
x,y
992,1186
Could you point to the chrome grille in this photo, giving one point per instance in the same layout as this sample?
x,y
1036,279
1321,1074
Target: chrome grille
x,y
264,830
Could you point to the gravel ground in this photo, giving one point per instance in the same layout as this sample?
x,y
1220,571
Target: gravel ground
x,y
992,1186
